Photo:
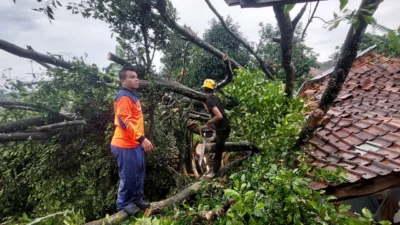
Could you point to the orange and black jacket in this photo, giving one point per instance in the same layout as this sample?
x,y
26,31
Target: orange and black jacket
x,y
128,121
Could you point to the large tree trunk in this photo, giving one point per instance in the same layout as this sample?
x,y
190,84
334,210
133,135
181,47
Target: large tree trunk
x,y
15,50
287,28
342,69
160,83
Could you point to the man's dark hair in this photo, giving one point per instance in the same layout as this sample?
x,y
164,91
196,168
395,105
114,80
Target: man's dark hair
x,y
208,90
122,73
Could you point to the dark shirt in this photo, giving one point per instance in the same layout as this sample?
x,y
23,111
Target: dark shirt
x,y
213,101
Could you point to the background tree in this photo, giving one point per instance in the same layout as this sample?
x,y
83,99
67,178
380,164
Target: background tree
x,y
203,65
383,43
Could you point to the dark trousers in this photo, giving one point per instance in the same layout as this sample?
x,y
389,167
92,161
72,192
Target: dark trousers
x,y
222,135
131,169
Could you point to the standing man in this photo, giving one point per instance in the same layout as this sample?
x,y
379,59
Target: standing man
x,y
219,121
129,144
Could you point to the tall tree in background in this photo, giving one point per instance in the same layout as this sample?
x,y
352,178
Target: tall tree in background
x,y
203,65
383,43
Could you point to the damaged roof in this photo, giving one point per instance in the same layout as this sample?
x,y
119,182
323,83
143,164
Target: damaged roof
x,y
363,132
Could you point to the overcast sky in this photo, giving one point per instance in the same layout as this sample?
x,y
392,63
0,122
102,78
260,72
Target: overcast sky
x,y
72,35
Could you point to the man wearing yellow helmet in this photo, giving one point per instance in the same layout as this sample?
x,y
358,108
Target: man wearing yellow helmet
x,y
219,121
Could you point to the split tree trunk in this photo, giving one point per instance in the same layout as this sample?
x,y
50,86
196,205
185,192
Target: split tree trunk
x,y
339,75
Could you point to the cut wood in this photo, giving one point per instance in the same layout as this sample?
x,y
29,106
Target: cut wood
x,y
229,147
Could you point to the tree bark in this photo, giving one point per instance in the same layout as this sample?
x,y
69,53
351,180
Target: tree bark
x,y
339,75
198,117
13,49
174,87
20,107
27,136
263,67
213,214
190,36
42,64
228,77
35,106
309,22
60,125
24,124
230,147
287,28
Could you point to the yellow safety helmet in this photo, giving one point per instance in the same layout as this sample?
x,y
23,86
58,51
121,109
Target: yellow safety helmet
x,y
208,83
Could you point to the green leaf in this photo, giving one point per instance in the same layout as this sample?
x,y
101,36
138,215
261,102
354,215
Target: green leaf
x,y
366,213
231,193
334,26
288,8
343,4
369,19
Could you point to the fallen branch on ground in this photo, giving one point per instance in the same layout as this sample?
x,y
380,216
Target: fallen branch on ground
x,y
213,214
158,207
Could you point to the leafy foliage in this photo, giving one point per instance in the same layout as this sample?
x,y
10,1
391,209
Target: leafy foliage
x,y
140,33
264,117
383,43
75,168
265,189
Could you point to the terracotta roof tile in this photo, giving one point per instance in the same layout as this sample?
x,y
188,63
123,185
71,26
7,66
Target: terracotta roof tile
x,y
363,132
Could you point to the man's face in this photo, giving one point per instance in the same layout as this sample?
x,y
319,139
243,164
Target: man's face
x,y
131,81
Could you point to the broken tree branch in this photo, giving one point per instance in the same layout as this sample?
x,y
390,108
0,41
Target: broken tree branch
x,y
342,69
213,214
309,22
261,62
60,125
35,106
170,85
296,20
43,64
190,36
228,77
230,147
277,40
20,107
198,117
24,124
118,60
28,136
13,49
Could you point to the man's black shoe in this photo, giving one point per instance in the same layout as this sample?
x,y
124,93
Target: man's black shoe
x,y
143,205
131,210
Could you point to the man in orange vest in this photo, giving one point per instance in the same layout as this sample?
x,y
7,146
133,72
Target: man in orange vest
x,y
129,144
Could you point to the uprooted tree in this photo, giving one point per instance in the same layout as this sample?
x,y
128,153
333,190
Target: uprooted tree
x,y
68,114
